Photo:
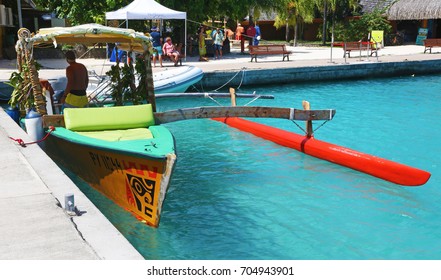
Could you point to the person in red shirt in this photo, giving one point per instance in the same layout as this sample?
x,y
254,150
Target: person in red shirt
x,y
251,33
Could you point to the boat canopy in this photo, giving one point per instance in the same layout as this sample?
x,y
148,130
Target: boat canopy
x,y
90,34
87,34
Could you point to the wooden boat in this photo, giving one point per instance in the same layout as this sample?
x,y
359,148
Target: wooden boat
x,y
125,152
120,152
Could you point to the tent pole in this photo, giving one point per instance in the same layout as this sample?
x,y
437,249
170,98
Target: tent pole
x,y
185,46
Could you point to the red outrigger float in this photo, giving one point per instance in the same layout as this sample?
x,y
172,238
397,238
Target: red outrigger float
x,y
379,167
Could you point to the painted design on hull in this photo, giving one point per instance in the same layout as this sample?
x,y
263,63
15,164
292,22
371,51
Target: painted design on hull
x,y
137,184
141,181
143,192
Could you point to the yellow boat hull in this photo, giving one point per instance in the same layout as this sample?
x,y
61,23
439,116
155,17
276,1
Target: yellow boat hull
x,y
136,183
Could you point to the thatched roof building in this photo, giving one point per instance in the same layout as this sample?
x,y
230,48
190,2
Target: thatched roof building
x,y
369,6
415,10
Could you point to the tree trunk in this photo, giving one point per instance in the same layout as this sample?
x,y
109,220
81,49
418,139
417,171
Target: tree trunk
x,y
325,22
296,29
287,31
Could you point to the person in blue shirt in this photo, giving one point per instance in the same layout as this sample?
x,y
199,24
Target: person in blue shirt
x,y
157,45
257,36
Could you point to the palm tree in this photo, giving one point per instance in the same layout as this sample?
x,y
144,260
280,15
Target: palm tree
x,y
294,12
332,6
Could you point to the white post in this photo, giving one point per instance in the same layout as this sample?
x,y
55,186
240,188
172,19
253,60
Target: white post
x,y
69,203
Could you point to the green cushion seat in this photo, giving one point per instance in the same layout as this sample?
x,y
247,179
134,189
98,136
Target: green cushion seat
x,y
109,118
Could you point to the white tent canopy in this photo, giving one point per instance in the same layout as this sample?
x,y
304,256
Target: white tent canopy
x,y
146,10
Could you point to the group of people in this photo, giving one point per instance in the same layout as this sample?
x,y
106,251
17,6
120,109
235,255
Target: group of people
x,y
168,48
252,34
218,40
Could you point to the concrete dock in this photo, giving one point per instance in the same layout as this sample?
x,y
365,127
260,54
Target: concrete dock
x,y
33,223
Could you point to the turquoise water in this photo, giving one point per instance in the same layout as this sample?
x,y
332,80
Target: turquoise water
x,y
235,196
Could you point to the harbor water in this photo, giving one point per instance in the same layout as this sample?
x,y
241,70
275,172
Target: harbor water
x,y
236,196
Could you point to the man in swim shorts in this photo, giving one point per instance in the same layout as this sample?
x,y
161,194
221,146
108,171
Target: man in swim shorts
x,y
77,81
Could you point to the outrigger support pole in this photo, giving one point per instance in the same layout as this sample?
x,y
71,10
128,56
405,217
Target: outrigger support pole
x,y
309,130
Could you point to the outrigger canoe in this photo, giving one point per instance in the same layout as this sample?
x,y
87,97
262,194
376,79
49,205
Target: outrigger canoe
x,y
125,152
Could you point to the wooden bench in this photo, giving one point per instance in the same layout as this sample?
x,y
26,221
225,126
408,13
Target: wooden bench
x,y
181,55
359,46
430,43
268,50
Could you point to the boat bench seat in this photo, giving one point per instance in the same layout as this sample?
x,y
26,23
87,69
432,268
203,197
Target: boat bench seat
x,y
119,135
109,118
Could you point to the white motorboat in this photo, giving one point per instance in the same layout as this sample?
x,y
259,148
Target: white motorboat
x,y
170,80
177,79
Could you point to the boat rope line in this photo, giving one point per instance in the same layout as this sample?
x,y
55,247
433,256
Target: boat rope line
x,y
243,76
313,131
241,80
254,99
23,144
207,95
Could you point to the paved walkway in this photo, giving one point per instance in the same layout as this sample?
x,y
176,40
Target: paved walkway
x,y
301,57
32,187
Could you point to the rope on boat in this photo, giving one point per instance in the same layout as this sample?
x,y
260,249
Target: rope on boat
x,y
241,81
254,99
207,95
23,144
313,131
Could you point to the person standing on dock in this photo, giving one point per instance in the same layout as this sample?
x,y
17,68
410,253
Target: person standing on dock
x,y
257,36
77,81
201,44
218,41
251,33
239,31
157,45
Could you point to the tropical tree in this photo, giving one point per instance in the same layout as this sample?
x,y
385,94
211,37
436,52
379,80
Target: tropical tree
x,y
294,12
359,29
81,11
334,6
86,11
